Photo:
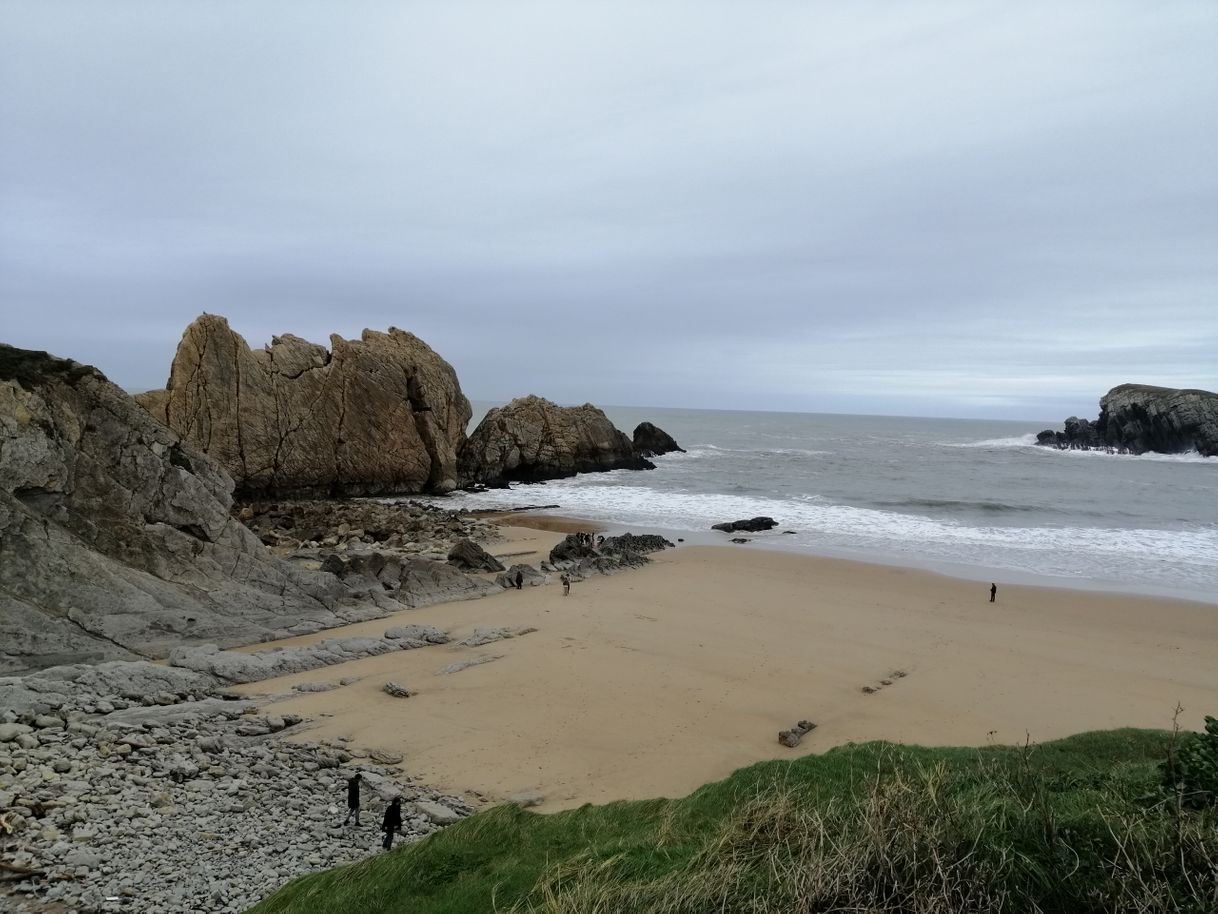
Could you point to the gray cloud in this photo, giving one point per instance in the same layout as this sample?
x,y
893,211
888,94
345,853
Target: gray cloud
x,y
941,208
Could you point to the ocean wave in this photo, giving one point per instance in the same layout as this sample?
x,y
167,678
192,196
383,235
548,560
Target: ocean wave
x,y
1186,457
990,443
951,504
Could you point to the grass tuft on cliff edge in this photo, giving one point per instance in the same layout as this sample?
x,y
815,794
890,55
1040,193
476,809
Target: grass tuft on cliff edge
x,y
1079,826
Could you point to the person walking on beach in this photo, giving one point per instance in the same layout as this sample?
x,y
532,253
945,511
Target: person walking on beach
x,y
392,823
353,798
519,580
993,592
566,585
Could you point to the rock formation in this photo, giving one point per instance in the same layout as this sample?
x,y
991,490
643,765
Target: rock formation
x,y
752,525
650,441
532,439
378,415
1137,418
116,537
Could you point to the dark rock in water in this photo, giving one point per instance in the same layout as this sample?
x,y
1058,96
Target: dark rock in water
x,y
752,525
1138,418
650,441
469,556
376,415
117,539
532,439
740,539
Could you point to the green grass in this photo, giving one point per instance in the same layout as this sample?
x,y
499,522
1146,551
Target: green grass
x,y
1078,826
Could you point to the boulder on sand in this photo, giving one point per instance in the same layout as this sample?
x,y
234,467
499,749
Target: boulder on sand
x,y
469,556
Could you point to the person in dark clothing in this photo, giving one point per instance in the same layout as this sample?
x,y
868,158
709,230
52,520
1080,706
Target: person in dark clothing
x,y
566,585
519,580
392,823
353,798
993,592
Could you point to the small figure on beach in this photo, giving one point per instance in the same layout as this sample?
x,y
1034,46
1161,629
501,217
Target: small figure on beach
x,y
519,580
353,783
392,823
566,585
993,592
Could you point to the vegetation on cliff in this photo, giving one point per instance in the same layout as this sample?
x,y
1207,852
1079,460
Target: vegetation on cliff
x,y
1094,823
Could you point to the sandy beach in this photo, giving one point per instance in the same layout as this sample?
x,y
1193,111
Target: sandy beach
x,y
653,682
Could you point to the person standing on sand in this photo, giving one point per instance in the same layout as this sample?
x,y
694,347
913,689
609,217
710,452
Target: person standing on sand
x,y
392,823
519,580
993,592
353,798
566,585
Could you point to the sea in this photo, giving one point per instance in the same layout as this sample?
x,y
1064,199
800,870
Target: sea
x,y
967,497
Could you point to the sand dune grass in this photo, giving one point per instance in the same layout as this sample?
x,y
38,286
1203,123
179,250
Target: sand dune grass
x,y
1080,825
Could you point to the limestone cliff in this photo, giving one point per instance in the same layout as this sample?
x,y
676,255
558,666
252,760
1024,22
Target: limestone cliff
x,y
116,538
1137,418
532,439
379,415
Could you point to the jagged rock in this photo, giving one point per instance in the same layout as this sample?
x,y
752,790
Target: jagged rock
x,y
116,538
411,580
530,576
1138,418
314,686
650,441
469,556
481,636
532,439
642,544
234,666
397,691
572,548
377,415
466,664
417,634
791,738
752,525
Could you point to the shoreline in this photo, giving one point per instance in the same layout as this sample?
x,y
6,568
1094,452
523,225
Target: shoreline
x,y
770,542
654,681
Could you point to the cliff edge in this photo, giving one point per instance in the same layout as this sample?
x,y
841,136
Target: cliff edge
x,y
1139,418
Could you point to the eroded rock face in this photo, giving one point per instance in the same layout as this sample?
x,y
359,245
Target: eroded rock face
x,y
532,439
378,415
116,538
1137,418
652,441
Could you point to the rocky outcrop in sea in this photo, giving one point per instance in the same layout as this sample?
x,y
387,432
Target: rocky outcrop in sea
x,y
532,439
379,415
1138,418
652,441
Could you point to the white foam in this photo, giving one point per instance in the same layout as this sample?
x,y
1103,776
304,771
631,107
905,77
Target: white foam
x,y
1177,558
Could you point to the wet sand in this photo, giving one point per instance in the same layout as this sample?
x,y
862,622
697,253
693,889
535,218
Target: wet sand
x,y
653,682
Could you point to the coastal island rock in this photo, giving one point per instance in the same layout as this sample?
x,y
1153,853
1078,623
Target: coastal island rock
x,y
378,415
1138,418
117,538
532,439
650,441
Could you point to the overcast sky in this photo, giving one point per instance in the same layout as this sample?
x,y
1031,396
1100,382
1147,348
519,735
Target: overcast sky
x,y
972,209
